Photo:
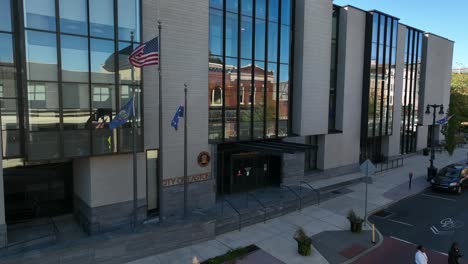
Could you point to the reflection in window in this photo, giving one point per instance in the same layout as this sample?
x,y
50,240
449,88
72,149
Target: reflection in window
x,y
231,98
37,93
40,14
5,15
43,145
126,92
129,20
102,52
246,37
76,143
6,48
231,35
101,13
216,96
41,53
241,95
381,67
215,112
43,106
411,85
74,59
9,113
74,16
216,32
125,68
75,101
101,94
250,90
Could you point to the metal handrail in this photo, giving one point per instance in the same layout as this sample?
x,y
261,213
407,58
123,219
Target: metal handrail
x,y
313,189
262,205
87,225
238,213
55,228
295,194
392,164
55,231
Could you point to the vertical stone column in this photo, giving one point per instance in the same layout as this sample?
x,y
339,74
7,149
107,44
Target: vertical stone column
x,y
293,168
103,191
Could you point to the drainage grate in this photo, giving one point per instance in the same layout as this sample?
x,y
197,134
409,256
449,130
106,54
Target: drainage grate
x,y
383,213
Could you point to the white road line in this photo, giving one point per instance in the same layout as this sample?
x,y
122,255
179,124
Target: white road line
x,y
399,222
407,242
402,240
438,197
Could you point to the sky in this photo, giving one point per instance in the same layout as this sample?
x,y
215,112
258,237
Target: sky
x,y
446,18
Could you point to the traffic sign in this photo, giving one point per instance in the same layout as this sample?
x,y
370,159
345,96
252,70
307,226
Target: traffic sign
x,y
367,167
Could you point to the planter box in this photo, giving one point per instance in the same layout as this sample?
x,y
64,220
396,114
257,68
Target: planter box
x,y
356,227
304,247
426,152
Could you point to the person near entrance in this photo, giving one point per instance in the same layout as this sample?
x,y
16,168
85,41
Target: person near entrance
x,y
420,257
454,254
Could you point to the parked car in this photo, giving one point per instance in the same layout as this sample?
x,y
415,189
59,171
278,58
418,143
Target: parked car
x,y
452,178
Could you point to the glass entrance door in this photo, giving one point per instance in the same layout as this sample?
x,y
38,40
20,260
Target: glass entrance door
x,y
251,171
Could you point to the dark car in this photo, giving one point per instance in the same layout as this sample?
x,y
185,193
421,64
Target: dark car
x,y
451,178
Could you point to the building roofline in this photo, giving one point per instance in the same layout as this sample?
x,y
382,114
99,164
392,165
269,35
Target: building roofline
x,y
380,12
408,26
383,13
357,8
435,35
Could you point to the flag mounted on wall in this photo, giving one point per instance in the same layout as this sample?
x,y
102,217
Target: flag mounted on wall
x,y
124,114
175,120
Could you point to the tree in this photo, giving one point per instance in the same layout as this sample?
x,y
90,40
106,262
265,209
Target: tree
x,y
458,108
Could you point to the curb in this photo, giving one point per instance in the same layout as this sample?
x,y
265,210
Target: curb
x,y
379,243
367,251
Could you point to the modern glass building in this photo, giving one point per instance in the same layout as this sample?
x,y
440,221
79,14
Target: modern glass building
x,y
378,94
277,89
249,70
411,84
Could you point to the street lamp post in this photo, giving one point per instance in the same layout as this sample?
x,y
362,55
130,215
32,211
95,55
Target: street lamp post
x,y
432,171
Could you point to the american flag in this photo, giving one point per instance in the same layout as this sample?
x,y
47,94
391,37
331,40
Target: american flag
x,y
146,54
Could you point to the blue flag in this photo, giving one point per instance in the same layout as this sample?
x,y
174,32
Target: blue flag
x,y
175,120
444,120
124,114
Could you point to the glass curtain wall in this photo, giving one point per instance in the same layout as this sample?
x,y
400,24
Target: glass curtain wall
x,y
249,68
11,133
77,75
383,31
411,84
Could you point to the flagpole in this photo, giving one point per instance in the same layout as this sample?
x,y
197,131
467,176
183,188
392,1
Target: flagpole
x,y
135,172
160,152
185,151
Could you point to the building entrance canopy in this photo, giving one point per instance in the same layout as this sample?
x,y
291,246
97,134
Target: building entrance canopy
x,y
275,147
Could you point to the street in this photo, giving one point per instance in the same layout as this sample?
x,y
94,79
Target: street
x,y
433,219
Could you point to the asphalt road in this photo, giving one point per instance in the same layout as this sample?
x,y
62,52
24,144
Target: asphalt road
x,y
433,219
393,251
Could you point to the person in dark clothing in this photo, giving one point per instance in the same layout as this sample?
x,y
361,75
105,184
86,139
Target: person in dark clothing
x,y
454,254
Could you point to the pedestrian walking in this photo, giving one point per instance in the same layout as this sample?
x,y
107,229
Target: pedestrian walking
x,y
420,257
454,254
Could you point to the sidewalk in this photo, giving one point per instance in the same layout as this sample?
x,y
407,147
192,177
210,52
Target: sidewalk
x,y
275,237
